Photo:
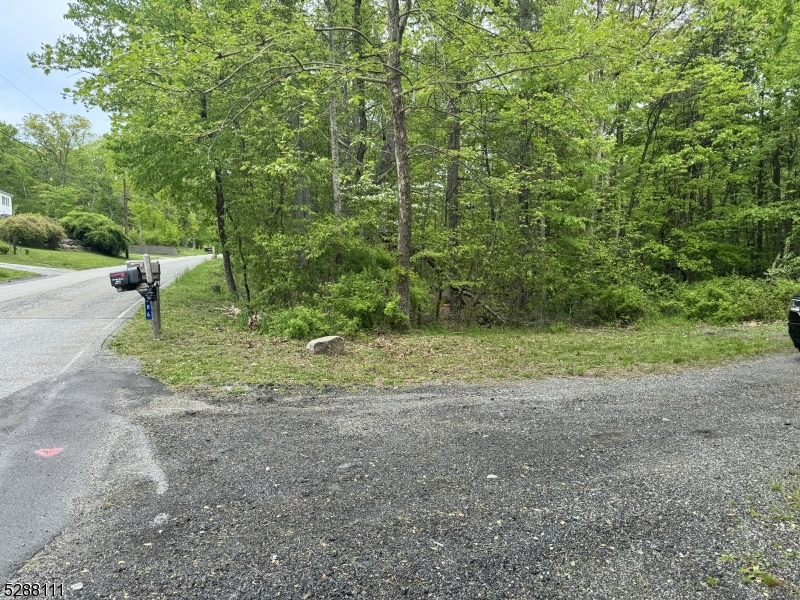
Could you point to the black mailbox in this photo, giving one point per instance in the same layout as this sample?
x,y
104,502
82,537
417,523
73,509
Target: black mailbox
x,y
155,268
794,320
127,280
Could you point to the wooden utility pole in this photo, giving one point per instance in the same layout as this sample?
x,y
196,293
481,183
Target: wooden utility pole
x,y
125,210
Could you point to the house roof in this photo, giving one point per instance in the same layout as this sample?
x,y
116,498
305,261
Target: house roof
x,y
7,194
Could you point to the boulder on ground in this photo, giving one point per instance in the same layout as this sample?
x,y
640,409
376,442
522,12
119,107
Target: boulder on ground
x,y
69,244
330,344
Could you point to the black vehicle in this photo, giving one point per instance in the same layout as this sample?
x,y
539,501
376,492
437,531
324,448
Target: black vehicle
x,y
794,320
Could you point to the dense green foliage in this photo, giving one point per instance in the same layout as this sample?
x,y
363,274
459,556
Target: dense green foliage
x,y
52,165
202,346
34,231
97,231
568,161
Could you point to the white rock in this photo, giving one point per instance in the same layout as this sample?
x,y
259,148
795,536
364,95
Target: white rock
x,y
491,476
77,586
330,344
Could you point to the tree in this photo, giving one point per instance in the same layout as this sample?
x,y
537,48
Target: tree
x,y
552,160
396,26
56,136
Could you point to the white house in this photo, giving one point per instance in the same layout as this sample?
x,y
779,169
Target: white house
x,y
5,204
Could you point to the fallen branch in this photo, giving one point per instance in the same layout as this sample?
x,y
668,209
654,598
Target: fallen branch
x,y
232,311
487,308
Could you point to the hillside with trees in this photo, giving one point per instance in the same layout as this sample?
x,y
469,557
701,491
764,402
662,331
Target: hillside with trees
x,y
373,165
53,165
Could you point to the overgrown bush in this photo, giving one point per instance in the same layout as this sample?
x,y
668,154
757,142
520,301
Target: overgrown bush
x,y
357,302
300,322
736,299
4,249
97,231
31,230
715,301
623,304
329,281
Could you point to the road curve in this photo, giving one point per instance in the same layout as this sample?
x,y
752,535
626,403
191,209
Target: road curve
x,y
58,390
49,324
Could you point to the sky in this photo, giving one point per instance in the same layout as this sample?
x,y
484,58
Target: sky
x,y
24,26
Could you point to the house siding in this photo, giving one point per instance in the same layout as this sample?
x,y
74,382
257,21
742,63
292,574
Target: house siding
x,y
6,207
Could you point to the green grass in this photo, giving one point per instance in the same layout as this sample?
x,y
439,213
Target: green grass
x,y
200,345
63,259
9,274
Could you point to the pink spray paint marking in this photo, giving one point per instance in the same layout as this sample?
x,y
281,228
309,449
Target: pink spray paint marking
x,y
48,452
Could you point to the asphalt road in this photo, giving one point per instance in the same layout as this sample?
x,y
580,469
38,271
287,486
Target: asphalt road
x,y
663,487
56,386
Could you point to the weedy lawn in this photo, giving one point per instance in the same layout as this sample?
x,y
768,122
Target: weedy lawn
x,y
202,345
61,259
9,274
72,259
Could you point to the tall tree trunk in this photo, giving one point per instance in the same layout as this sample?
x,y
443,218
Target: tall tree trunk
x,y
337,197
395,26
360,116
125,211
219,198
776,175
302,194
598,186
454,147
542,245
760,202
385,158
223,235
238,233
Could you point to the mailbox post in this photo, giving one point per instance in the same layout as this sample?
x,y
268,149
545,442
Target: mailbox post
x,y
154,301
144,277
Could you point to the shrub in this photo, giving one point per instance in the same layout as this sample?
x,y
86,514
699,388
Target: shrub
x,y
622,304
736,299
328,280
299,322
35,231
366,300
97,231
4,249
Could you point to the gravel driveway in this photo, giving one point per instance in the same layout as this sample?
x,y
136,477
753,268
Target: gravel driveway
x,y
659,487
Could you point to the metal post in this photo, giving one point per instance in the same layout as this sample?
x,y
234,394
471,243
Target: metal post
x,y
148,269
157,313
156,305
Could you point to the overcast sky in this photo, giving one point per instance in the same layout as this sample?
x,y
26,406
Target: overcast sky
x,y
24,26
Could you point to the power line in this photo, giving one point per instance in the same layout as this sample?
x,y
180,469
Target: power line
x,y
11,137
7,151
24,94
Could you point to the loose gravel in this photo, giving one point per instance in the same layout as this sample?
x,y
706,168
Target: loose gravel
x,y
573,488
